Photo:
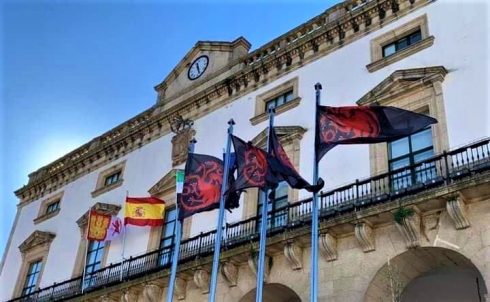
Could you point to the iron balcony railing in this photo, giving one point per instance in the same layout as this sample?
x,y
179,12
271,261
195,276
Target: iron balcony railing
x,y
437,171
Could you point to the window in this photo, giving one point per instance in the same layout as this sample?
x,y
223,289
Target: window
x,y
402,43
408,151
277,199
279,100
399,43
49,208
283,97
53,207
167,237
112,179
32,277
95,253
109,179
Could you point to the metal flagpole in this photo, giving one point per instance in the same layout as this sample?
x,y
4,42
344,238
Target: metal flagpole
x,y
219,227
178,235
315,214
123,239
263,226
86,249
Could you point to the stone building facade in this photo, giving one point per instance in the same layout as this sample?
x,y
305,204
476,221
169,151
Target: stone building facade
x,y
405,221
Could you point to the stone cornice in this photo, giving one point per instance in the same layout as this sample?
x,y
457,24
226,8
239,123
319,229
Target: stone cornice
x,y
342,24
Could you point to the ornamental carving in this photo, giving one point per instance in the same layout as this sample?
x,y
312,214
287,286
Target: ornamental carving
x,y
179,288
37,238
253,264
294,254
456,208
409,227
230,273
201,279
328,246
365,237
152,292
180,142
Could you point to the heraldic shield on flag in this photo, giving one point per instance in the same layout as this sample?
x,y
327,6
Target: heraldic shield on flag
x,y
103,227
202,186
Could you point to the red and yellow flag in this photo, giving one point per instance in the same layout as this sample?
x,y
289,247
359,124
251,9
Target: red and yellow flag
x,y
144,211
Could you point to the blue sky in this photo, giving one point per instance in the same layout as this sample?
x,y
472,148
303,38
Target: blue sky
x,y
71,70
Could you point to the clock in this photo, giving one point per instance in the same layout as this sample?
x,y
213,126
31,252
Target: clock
x,y
198,67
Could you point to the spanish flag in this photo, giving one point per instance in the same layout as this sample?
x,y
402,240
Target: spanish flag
x,y
144,211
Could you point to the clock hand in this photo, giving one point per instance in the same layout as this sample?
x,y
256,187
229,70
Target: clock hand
x,y
197,66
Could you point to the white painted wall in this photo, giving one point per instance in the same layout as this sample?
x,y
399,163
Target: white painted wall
x,y
460,46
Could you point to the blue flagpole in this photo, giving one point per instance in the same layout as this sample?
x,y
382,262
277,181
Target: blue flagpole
x,y
315,214
178,235
219,228
263,226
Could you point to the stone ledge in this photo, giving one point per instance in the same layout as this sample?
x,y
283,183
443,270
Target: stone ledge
x,y
46,216
377,65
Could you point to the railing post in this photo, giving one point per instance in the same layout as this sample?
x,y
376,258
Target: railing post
x,y
356,203
200,244
446,164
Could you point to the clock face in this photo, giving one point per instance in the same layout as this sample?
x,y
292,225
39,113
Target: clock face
x,y
198,67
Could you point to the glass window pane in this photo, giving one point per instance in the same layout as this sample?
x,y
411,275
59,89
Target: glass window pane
x,y
399,148
389,49
289,96
424,155
399,163
280,100
422,140
281,190
402,43
415,37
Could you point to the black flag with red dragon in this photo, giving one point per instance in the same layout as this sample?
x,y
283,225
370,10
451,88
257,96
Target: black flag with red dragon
x,y
364,125
202,186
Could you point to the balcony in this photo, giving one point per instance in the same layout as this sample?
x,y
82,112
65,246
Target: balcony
x,y
457,168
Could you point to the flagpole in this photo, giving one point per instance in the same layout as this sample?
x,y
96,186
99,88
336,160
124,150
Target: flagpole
x,y
86,249
123,239
221,214
263,226
178,235
315,214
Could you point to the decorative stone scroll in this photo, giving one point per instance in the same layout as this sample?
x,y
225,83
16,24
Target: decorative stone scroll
x,y
229,272
294,254
253,264
328,246
180,288
364,235
409,228
201,279
456,208
130,295
152,292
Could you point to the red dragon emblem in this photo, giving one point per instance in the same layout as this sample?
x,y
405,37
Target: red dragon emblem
x,y
203,187
337,124
255,167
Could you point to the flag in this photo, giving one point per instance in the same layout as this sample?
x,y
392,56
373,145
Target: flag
x,y
144,211
364,125
103,227
284,169
179,181
253,167
202,186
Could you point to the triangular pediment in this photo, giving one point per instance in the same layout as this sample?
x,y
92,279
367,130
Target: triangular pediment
x,y
402,81
165,185
219,53
37,238
284,133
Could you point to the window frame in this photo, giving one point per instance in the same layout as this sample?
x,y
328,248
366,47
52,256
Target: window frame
x,y
32,288
396,43
100,254
276,218
101,186
164,257
378,60
262,99
43,213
